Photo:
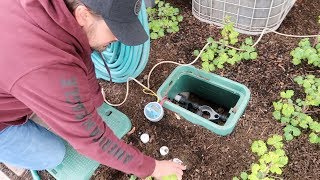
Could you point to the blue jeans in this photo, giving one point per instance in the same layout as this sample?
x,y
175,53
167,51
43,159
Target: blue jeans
x,y
31,146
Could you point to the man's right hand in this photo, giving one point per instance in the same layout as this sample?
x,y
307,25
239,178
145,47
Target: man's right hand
x,y
166,168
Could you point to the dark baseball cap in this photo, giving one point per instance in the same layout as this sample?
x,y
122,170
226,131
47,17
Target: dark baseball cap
x,y
121,17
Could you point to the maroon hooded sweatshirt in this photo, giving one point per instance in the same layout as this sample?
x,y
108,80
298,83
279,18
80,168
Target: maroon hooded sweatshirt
x,y
45,67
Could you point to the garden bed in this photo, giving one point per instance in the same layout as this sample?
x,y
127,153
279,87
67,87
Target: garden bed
x,y
207,155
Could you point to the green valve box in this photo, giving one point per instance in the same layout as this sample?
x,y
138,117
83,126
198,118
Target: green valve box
x,y
218,90
78,167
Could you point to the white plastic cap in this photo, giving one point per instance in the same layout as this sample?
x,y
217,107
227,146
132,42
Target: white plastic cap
x,y
164,150
144,138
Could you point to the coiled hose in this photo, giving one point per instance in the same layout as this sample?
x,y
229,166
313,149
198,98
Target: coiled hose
x,y
123,61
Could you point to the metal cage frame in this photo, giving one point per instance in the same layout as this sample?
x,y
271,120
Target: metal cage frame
x,y
249,16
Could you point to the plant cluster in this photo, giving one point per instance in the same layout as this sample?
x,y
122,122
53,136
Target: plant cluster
x,y
308,52
296,114
163,18
219,52
272,159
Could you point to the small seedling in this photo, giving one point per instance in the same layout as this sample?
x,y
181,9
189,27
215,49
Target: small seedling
x,y
272,159
295,115
307,52
219,52
163,18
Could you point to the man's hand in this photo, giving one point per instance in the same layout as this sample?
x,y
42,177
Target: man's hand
x,y
166,168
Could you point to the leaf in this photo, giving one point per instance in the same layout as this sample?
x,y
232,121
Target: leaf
x,y
276,141
253,177
315,126
246,55
204,57
287,94
205,66
161,33
310,76
265,158
287,110
180,18
210,40
249,41
210,54
313,138
296,131
175,28
294,122
297,53
253,55
259,147
232,52
283,160
277,115
196,52
211,67
170,177
296,61
305,43
160,4
306,84
288,136
264,168
153,35
244,175
277,105
255,168
275,169
285,120
299,80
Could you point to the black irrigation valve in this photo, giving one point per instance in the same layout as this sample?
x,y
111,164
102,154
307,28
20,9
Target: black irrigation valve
x,y
199,109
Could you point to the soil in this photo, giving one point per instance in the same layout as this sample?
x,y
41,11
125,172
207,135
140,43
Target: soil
x,y
209,156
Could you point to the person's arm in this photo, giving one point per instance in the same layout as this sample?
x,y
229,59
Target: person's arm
x,y
95,88
61,96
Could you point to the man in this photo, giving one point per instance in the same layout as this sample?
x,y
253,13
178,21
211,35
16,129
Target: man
x,y
45,68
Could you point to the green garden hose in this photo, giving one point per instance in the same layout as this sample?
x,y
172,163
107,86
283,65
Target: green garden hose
x,y
123,61
35,175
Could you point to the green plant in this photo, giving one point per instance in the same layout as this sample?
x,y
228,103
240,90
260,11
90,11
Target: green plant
x,y
272,159
163,19
296,115
219,52
308,52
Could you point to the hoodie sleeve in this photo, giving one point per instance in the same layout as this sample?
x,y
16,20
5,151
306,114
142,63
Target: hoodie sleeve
x,y
61,95
95,88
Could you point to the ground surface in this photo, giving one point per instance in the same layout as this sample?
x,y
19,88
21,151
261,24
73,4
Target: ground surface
x,y
207,155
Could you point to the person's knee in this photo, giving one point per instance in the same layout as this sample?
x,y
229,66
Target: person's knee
x,y
58,153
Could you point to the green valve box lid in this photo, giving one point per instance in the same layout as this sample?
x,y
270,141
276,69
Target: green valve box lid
x,y
78,167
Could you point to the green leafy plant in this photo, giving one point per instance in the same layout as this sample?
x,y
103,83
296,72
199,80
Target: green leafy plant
x,y
272,159
219,52
163,18
296,115
308,52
